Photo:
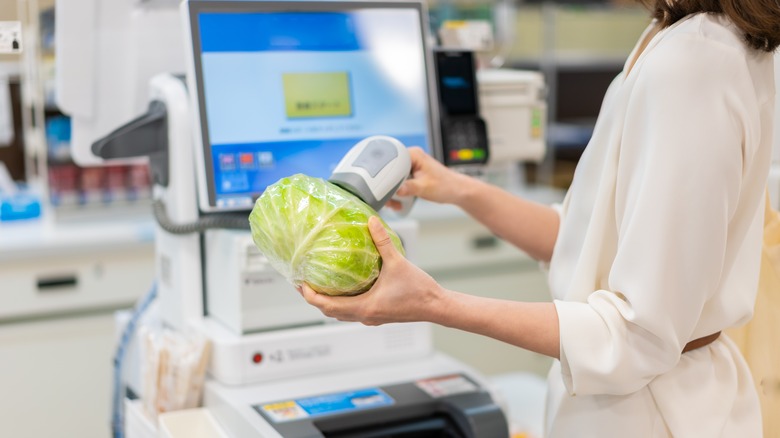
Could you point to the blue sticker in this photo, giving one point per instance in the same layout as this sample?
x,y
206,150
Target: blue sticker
x,y
344,402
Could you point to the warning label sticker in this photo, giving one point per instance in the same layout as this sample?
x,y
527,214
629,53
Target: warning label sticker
x,y
284,411
446,385
326,404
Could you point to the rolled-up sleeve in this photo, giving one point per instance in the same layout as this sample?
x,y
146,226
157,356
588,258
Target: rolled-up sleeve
x,y
557,207
677,186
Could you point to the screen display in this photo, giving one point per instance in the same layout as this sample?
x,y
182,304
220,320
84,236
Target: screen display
x,y
285,92
455,72
463,132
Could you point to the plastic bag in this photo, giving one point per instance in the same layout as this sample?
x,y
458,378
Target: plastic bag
x,y
174,369
314,232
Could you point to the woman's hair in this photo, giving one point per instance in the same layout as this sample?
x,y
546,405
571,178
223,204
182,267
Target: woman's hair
x,y
759,20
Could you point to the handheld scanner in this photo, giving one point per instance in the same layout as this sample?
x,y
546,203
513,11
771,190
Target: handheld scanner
x,y
373,170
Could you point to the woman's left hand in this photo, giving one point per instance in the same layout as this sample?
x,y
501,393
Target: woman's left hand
x,y
402,293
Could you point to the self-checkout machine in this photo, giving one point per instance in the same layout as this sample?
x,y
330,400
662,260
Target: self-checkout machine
x,y
276,88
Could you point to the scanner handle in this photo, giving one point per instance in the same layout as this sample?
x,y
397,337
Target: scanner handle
x,y
407,202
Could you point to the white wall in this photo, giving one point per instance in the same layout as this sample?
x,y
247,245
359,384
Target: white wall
x,y
776,153
774,171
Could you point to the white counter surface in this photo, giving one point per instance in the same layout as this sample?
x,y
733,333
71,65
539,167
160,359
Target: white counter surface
x,y
34,238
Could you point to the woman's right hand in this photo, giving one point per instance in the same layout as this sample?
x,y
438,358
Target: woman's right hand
x,y
430,180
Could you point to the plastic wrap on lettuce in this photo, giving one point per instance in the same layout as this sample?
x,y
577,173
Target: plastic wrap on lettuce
x,y
315,232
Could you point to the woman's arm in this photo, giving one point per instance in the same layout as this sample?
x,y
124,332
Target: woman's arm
x,y
532,326
404,293
527,225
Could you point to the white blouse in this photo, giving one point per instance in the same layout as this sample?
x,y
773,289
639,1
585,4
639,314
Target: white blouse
x,y
659,243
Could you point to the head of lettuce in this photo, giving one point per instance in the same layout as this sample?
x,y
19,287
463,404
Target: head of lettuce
x,y
314,232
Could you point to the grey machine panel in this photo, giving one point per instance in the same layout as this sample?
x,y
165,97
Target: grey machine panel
x,y
413,413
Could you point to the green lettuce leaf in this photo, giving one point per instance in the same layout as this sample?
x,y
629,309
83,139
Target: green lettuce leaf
x,y
314,232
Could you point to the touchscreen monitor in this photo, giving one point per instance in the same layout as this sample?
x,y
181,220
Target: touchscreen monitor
x,y
289,87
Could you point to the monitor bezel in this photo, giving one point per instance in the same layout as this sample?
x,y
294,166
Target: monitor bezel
x,y
207,198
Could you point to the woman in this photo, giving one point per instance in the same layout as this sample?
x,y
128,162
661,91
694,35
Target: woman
x,y
654,250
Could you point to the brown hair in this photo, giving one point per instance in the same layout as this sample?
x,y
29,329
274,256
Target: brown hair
x,y
759,20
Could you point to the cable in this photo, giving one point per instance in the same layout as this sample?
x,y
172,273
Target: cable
x,y
117,413
230,221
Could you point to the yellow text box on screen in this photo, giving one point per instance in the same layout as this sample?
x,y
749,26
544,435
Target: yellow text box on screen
x,y
317,94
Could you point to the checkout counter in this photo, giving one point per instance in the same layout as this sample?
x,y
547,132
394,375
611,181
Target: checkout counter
x,y
60,286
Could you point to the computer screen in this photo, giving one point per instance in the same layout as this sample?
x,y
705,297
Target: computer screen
x,y
289,87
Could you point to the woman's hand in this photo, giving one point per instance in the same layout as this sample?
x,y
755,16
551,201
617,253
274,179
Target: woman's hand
x,y
402,293
431,181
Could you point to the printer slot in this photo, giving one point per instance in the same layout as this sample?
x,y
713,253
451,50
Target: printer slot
x,y
436,426
56,283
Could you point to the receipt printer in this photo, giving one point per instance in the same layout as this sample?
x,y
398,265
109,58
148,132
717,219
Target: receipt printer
x,y
450,403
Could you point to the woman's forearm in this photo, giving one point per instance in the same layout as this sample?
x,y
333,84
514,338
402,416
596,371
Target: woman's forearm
x,y
532,326
530,226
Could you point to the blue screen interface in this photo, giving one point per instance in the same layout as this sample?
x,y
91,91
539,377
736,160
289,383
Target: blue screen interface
x,y
292,92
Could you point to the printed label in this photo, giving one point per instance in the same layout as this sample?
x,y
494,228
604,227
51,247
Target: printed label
x,y
326,404
446,385
10,36
284,411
